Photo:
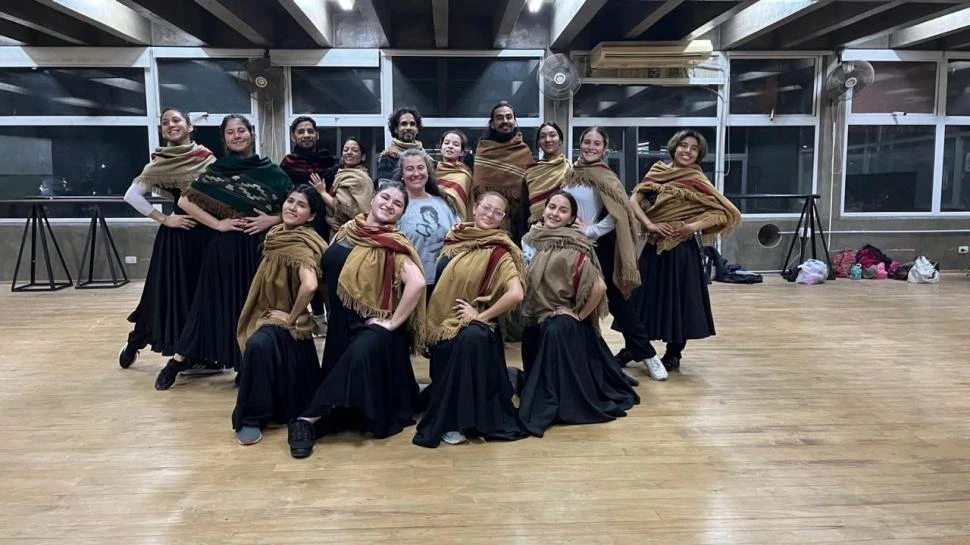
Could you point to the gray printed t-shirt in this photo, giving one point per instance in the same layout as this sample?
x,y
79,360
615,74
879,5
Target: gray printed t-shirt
x,y
426,221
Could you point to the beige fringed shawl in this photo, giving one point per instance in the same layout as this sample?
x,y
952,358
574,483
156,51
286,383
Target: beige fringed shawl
x,y
370,281
483,261
562,273
543,179
677,195
277,281
455,182
352,191
175,167
626,276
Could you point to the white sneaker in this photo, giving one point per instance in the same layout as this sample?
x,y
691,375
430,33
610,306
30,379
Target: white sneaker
x,y
453,437
655,368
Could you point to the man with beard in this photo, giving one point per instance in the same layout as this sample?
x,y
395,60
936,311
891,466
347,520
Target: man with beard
x,y
500,162
305,161
404,124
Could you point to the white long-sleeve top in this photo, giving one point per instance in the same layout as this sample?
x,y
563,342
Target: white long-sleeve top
x,y
135,196
590,206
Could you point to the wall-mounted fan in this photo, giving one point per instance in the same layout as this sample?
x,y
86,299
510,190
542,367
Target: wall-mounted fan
x,y
558,77
854,75
264,80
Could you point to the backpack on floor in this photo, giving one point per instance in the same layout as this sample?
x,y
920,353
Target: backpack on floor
x,y
842,262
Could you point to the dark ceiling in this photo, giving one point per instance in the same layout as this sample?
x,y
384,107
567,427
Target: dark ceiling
x,y
489,24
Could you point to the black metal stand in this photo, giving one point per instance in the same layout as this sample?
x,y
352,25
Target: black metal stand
x,y
808,224
38,223
115,264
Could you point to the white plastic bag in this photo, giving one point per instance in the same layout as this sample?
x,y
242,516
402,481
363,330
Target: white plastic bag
x,y
812,271
923,272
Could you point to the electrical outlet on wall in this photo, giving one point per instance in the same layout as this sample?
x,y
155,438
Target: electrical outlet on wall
x,y
963,249
131,260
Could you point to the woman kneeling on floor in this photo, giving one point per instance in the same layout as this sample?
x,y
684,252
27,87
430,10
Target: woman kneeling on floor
x,y
481,277
377,304
280,371
571,377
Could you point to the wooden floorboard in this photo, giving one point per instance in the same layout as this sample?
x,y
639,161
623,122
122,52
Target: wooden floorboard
x,y
833,414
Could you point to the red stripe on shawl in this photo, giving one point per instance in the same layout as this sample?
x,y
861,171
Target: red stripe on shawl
x,y
454,186
543,195
577,273
498,252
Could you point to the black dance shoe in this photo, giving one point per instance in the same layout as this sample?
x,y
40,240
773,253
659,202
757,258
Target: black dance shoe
x,y
300,436
671,363
166,377
128,355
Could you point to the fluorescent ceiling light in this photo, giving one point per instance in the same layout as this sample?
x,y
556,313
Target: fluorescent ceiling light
x,y
346,5
535,6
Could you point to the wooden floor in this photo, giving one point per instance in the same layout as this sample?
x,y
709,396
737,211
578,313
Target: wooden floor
x,y
820,414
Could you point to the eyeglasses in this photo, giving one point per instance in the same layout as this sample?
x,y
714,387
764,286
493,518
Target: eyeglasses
x,y
496,213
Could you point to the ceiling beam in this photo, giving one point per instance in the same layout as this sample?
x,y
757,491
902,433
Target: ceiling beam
x,y
507,14
718,21
245,17
906,15
439,16
930,30
569,18
839,16
762,18
374,14
107,15
53,23
650,19
960,40
13,33
313,16
185,18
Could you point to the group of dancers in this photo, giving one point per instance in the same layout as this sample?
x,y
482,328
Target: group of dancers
x,y
433,258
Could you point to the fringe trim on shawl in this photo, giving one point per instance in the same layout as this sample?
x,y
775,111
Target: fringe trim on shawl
x,y
218,209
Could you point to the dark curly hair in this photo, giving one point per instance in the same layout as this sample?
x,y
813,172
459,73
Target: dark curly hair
x,y
395,118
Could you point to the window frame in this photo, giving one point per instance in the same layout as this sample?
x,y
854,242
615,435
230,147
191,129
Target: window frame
x,y
768,120
938,119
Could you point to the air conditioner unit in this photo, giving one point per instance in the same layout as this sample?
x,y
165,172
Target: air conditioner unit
x,y
650,54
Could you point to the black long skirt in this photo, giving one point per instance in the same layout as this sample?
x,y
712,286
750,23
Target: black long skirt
x,y
371,388
166,299
672,301
470,390
572,378
210,328
368,382
277,378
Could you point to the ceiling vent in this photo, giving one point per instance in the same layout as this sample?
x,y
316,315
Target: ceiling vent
x,y
619,55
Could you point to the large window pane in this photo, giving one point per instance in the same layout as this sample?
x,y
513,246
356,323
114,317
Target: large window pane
x,y
956,170
772,86
196,85
652,147
779,160
603,100
72,91
958,88
899,87
69,161
466,87
336,90
633,150
889,169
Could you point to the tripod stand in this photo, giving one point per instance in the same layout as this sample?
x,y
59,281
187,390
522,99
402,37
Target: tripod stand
x,y
805,231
